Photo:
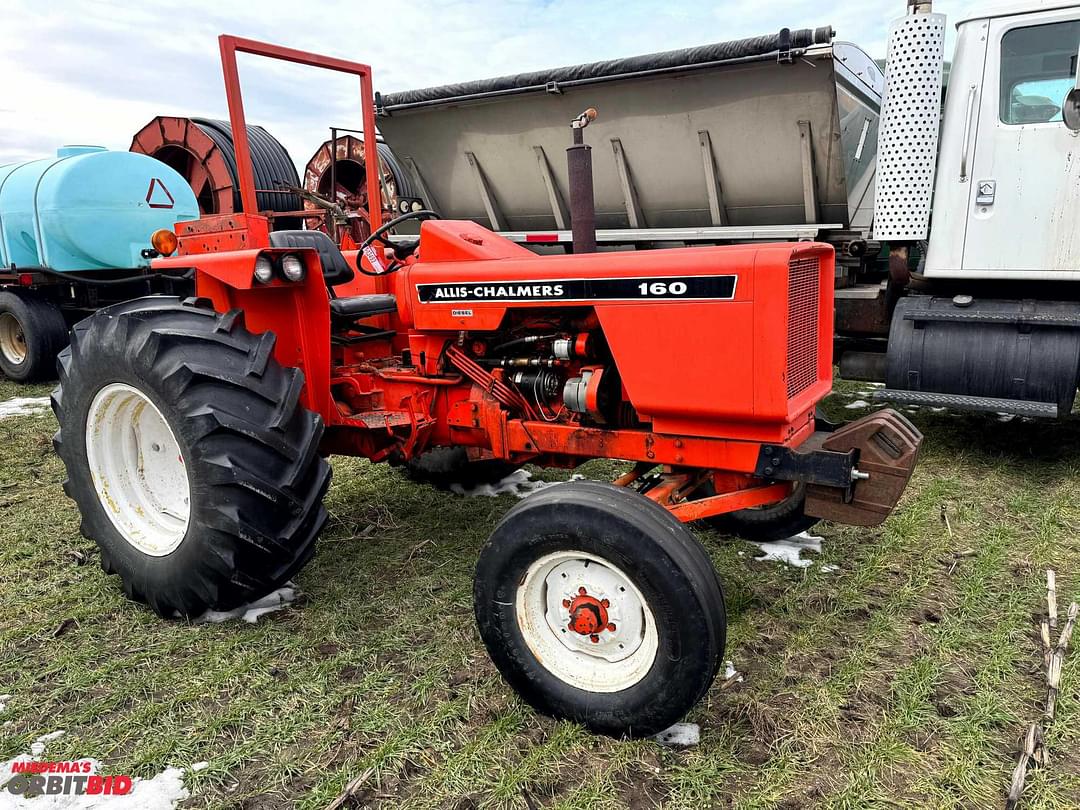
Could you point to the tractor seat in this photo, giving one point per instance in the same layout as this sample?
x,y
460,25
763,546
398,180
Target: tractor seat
x,y
336,271
362,306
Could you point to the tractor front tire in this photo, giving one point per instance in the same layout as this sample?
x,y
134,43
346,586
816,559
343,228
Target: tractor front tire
x,y
767,524
598,606
194,466
443,467
32,332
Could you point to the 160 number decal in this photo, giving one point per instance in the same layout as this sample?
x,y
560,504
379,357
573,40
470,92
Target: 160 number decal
x,y
663,288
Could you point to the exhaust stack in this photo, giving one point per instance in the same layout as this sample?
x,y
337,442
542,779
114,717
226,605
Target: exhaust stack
x,y
582,204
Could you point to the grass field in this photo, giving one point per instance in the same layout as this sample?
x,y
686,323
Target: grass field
x,y
901,679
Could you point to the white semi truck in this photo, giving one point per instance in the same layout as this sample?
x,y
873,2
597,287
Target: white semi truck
x,y
957,227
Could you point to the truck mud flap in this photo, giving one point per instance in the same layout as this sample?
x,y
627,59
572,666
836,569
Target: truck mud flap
x,y
887,445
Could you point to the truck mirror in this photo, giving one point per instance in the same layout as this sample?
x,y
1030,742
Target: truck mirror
x,y
1070,109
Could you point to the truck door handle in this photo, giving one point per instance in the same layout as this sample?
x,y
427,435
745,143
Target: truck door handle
x,y
967,134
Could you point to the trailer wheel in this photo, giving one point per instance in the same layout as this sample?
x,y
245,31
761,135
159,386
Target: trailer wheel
x,y
598,606
766,524
32,332
194,466
444,466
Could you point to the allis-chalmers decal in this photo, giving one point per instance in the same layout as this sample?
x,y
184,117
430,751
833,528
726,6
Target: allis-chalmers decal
x,y
687,288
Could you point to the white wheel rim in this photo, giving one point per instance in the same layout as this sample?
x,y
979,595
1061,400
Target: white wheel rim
x,y
617,656
137,469
12,339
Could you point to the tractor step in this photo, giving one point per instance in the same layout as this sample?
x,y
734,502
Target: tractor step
x,y
961,402
382,419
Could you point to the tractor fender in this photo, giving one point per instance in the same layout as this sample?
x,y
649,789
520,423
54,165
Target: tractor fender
x,y
296,312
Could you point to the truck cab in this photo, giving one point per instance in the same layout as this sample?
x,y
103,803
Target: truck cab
x,y
1007,193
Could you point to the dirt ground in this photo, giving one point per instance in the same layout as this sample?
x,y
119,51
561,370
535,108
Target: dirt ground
x,y
904,677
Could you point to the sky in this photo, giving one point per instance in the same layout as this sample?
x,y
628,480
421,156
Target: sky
x,y
96,71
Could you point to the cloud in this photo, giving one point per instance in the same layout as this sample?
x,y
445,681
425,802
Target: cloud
x,y
96,71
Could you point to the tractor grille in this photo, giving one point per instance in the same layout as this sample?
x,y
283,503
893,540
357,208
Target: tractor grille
x,y
802,335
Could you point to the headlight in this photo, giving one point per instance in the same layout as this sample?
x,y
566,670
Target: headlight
x,y
292,268
264,270
417,206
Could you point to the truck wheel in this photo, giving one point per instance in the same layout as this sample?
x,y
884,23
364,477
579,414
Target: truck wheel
x,y
766,524
444,466
32,332
598,606
194,466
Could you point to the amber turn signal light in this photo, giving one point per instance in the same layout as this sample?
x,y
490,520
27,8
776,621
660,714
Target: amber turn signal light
x,y
164,241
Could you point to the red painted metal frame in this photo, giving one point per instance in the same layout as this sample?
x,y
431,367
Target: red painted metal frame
x,y
230,45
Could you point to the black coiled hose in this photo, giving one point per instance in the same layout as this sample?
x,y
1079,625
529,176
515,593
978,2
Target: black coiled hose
x,y
271,164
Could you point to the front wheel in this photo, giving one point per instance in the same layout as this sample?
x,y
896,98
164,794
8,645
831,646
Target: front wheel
x,y
194,467
767,524
598,606
443,467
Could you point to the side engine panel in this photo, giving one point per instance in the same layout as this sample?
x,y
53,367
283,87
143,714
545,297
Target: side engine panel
x,y
715,341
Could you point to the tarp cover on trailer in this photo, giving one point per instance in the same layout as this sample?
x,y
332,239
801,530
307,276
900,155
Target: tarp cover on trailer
x,y
751,142
665,60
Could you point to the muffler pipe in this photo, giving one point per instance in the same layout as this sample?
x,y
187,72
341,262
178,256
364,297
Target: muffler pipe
x,y
582,203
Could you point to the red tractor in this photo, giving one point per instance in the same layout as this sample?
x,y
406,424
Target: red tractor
x,y
196,432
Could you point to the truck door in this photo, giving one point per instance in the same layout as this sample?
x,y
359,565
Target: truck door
x,y
1024,175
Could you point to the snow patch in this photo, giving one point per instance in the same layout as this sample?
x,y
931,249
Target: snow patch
x,y
828,568
199,766
250,613
789,549
23,406
37,748
682,734
731,672
519,483
859,403
161,792
3,701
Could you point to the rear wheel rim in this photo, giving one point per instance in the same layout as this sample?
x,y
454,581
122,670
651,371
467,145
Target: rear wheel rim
x,y
137,469
12,339
586,622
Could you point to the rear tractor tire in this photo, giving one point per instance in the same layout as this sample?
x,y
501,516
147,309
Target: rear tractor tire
x,y
598,606
194,467
32,332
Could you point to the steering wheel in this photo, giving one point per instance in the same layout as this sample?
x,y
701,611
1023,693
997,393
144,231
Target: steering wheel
x,y
377,235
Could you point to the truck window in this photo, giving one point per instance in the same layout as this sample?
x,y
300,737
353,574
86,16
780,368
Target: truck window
x,y
1038,64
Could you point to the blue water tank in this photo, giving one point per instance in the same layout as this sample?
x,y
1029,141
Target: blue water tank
x,y
88,209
